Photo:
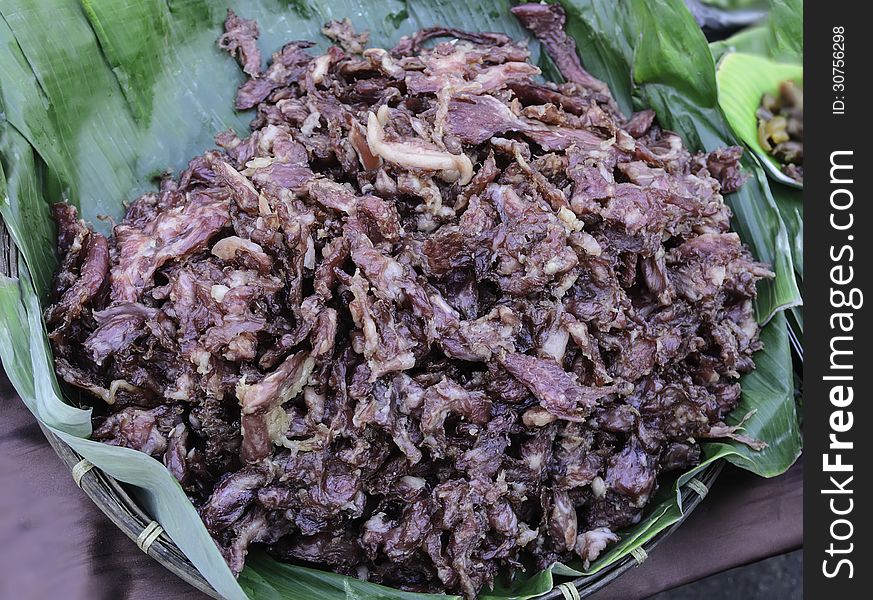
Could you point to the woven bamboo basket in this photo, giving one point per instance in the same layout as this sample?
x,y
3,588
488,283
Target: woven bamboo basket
x,y
111,497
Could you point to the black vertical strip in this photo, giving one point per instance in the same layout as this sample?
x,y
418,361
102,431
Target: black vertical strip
x,y
838,258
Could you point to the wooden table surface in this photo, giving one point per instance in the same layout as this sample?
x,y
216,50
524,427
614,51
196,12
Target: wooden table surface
x,y
54,543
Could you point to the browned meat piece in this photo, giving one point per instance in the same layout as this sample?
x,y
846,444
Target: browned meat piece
x,y
336,549
141,250
256,526
711,264
344,35
630,474
85,264
240,39
117,327
263,418
233,495
143,430
640,123
431,320
443,399
476,119
412,44
546,21
558,391
541,94
288,66
724,165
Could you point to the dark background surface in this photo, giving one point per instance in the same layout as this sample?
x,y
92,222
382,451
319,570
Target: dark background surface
x,y
55,544
777,578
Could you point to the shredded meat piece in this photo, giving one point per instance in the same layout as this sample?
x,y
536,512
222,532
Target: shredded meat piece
x,y
555,388
432,319
546,21
240,40
344,34
83,269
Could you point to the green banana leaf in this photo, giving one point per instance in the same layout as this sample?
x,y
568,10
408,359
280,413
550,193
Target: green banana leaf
x,y
752,40
98,97
790,203
743,79
785,30
735,4
780,36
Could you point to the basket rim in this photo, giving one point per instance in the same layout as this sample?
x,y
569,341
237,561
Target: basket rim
x,y
112,498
